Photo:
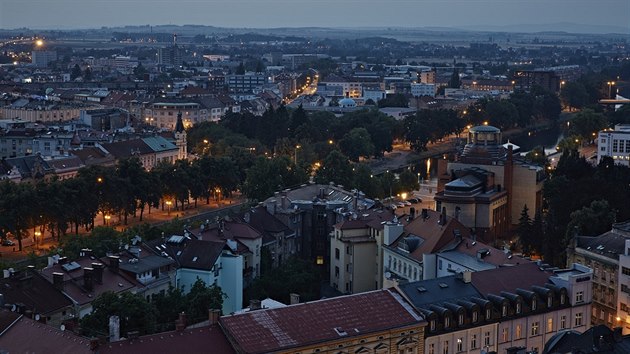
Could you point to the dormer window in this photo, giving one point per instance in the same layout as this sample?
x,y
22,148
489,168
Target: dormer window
x,y
504,310
488,314
475,316
563,299
461,319
447,322
518,307
534,304
549,301
432,325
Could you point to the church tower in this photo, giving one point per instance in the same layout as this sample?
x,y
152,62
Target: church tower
x,y
180,137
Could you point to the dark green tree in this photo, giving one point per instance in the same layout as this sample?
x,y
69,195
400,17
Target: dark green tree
x,y
76,72
357,143
335,168
455,81
135,314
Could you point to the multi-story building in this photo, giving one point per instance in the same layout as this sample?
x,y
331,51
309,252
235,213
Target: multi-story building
x,y
374,322
427,77
170,56
486,187
150,151
623,290
527,79
602,254
356,252
41,58
615,144
342,86
422,89
247,82
503,310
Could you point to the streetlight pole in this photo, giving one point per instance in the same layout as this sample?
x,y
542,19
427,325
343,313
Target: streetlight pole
x,y
295,154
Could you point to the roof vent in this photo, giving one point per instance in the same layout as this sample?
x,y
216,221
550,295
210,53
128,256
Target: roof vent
x,y
421,289
443,285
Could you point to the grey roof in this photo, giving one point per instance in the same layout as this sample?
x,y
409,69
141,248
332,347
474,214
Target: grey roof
x,y
598,339
145,264
465,260
436,291
467,181
610,244
200,254
485,129
158,144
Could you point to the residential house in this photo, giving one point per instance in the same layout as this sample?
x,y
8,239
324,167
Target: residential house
x,y
503,310
85,278
356,252
602,254
374,322
28,293
278,238
150,151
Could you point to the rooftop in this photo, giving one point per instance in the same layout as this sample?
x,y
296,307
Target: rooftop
x,y
522,276
304,324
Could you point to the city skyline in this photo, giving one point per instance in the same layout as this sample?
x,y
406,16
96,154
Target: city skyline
x,y
608,15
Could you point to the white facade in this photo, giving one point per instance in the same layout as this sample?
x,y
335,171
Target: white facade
x,y
615,144
469,341
418,90
374,95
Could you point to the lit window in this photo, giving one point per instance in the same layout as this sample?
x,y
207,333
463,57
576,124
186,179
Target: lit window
x,y
535,328
549,325
578,319
320,260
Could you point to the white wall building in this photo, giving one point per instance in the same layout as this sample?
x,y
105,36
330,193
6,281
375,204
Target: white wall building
x,y
615,143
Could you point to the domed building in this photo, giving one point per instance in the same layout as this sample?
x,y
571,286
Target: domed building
x,y
347,103
486,186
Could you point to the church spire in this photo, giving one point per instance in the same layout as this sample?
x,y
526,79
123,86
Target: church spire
x,y
179,126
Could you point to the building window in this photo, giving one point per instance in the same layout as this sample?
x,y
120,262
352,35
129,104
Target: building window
x,y
488,314
519,331
504,335
518,307
432,325
320,260
549,301
534,304
549,325
460,345
535,327
336,272
461,319
475,316
486,339
625,271
432,348
337,253
447,322
445,347
504,311
563,322
473,342
563,299
579,296
578,319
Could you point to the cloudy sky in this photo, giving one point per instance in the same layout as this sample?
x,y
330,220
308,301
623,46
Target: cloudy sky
x,y
299,13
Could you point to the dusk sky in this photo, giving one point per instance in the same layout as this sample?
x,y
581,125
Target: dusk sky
x,y
299,13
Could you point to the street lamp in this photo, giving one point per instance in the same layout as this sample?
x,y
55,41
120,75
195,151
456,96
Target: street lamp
x,y
107,218
295,154
36,237
168,202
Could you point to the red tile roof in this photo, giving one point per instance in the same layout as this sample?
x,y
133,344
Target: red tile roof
x,y
208,339
508,279
304,324
28,336
496,257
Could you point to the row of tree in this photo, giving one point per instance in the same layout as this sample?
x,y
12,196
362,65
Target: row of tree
x,y
126,189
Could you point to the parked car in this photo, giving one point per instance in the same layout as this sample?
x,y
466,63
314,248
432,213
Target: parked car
x,y
413,200
7,242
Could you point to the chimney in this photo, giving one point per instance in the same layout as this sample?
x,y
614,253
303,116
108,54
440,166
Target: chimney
x,y
283,200
442,174
391,231
355,199
271,206
412,213
213,316
247,217
63,260
114,263
425,213
98,272
58,281
254,305
85,252
88,278
295,298
467,276
114,328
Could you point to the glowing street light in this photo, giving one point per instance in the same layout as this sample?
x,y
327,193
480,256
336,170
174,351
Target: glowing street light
x,y
168,202
39,42
295,154
107,218
610,85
